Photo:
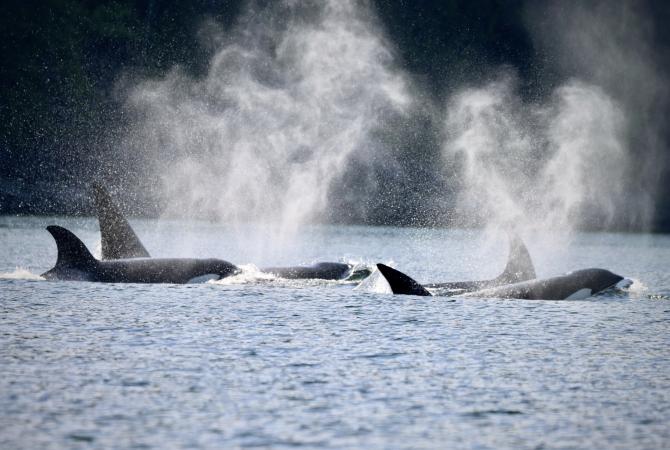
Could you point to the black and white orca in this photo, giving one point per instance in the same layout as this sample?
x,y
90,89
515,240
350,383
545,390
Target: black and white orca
x,y
75,262
119,241
519,268
575,285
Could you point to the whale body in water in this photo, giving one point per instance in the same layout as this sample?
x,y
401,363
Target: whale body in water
x,y
75,262
119,241
519,267
578,284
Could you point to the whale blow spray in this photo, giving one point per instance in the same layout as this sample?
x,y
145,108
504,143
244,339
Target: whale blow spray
x,y
290,97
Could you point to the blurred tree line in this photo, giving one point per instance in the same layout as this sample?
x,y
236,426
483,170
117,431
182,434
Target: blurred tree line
x,y
61,60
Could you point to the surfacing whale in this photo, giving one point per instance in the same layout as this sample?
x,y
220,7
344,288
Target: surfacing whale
x,y
519,267
119,241
117,237
321,271
75,262
575,285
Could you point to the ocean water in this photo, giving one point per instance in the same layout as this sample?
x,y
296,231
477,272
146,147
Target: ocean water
x,y
260,362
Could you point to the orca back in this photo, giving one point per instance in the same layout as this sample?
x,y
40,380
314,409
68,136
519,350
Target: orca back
x,y
322,270
578,284
163,270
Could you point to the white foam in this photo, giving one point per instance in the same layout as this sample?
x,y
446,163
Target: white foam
x,y
633,286
249,274
20,274
625,283
375,283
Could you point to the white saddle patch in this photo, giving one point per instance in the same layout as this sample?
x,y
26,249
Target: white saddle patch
x,y
580,294
203,278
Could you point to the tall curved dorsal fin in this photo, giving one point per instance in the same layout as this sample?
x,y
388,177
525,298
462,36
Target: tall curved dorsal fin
x,y
71,251
519,264
119,241
401,283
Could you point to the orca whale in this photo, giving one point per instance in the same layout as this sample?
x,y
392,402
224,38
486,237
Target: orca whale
x,y
119,241
321,271
575,285
117,237
75,262
519,267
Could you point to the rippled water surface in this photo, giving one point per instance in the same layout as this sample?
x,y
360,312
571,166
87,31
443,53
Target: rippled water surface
x,y
266,362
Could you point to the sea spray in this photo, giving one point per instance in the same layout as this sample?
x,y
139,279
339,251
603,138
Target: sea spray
x,y
585,153
291,96
298,91
542,170
20,273
584,176
615,46
559,165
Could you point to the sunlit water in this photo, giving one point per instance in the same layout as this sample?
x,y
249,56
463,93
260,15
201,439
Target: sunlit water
x,y
260,362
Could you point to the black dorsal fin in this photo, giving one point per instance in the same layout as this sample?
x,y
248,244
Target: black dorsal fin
x,y
71,251
401,283
519,263
119,241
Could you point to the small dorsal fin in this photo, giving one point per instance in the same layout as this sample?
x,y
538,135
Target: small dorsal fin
x,y
519,263
71,251
401,283
118,239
